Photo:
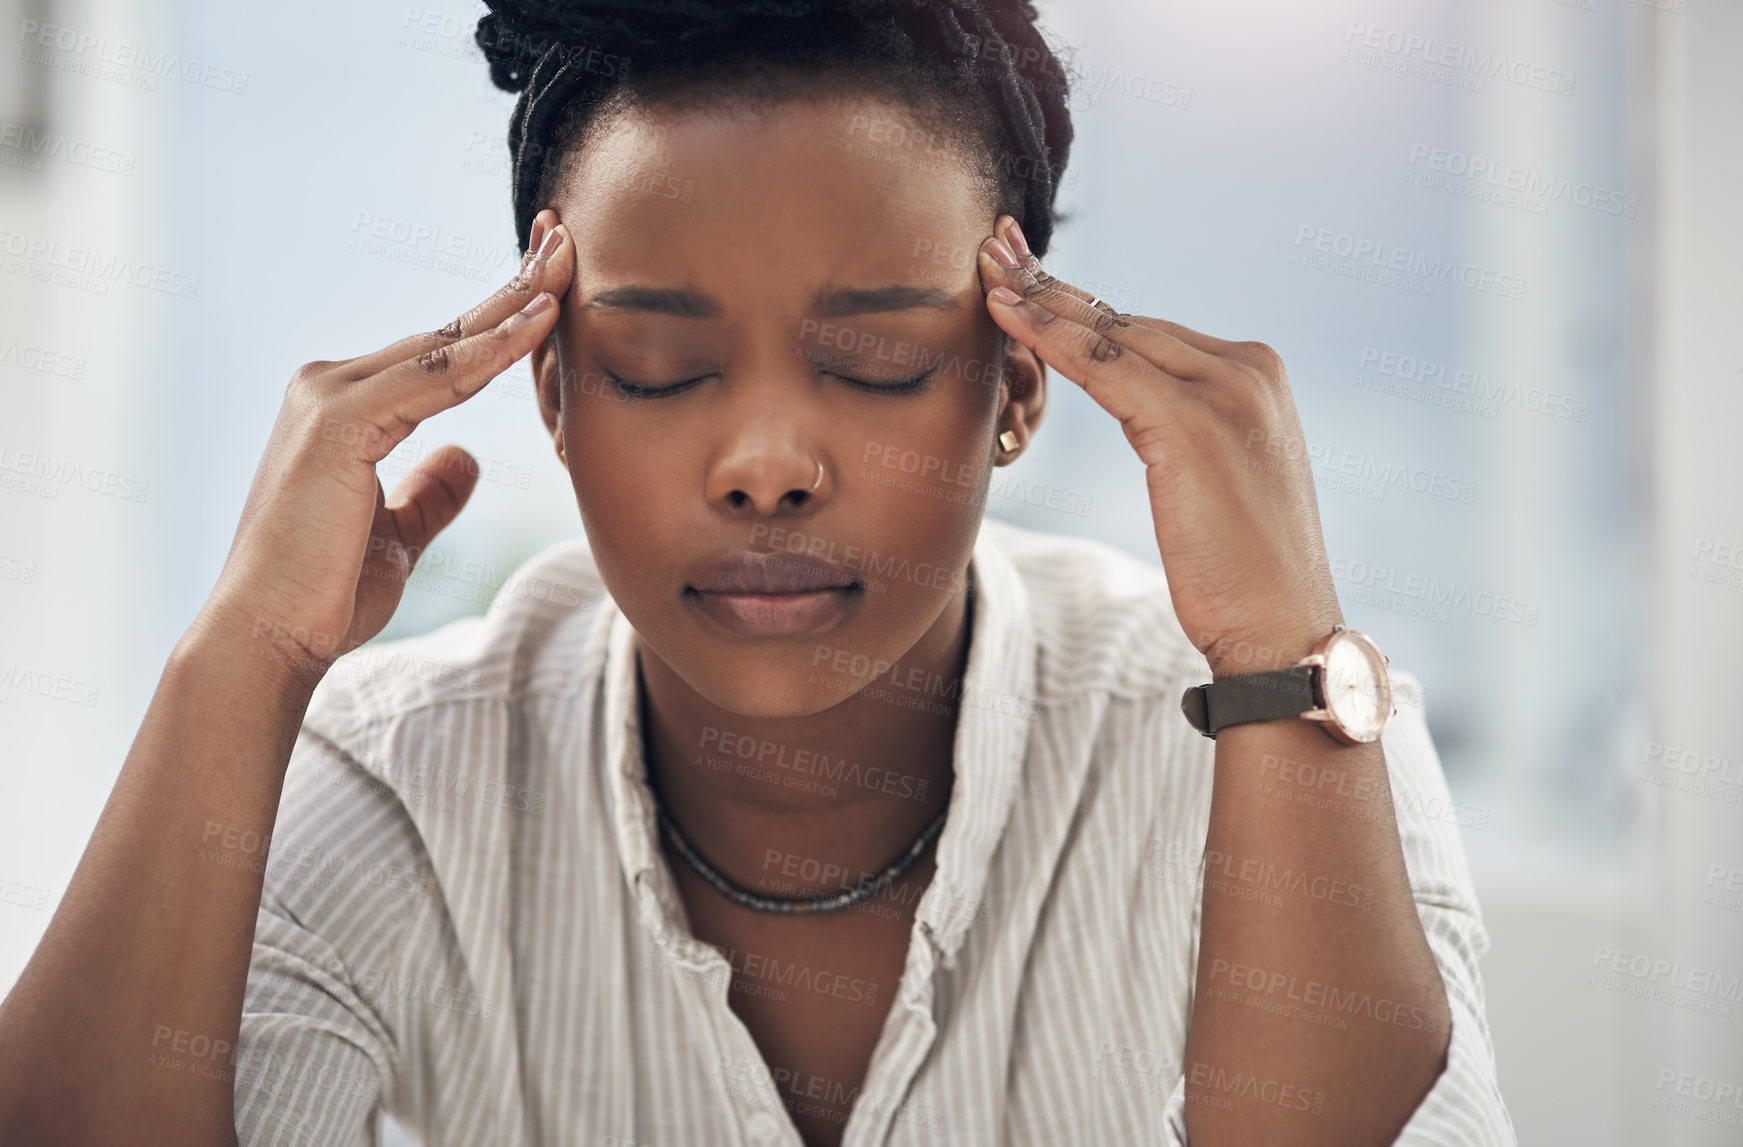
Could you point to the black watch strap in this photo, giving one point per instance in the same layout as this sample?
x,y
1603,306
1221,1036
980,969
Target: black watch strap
x,y
1250,697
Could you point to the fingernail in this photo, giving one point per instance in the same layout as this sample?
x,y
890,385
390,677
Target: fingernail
x,y
1004,295
1002,255
540,302
553,240
1015,234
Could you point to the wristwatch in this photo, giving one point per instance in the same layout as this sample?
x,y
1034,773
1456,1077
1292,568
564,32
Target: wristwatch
x,y
1343,683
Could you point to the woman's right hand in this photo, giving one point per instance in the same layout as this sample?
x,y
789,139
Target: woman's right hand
x,y
322,553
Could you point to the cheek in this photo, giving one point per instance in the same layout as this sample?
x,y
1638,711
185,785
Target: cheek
x,y
937,437
613,471
627,487
917,484
927,457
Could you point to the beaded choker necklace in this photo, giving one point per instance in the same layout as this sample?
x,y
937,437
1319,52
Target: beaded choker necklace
x,y
801,905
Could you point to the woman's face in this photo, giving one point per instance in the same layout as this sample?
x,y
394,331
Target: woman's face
x,y
758,294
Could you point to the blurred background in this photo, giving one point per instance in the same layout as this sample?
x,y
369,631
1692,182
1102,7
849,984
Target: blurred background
x,y
1497,243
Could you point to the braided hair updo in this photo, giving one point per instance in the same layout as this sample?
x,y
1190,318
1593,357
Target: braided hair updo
x,y
979,67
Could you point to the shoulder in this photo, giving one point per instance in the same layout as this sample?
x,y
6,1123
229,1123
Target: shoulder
x,y
544,633
1103,619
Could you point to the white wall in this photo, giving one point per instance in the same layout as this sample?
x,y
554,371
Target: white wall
x,y
1698,672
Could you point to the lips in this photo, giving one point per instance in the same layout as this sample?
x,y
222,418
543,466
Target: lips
x,y
747,571
773,594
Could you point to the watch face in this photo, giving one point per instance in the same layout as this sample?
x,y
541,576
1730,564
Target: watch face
x,y
1358,689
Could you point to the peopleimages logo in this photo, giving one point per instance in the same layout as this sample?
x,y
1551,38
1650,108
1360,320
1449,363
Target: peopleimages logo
x,y
1456,58
25,145
38,358
430,246
1534,186
117,60
87,268
1482,392
44,684
1432,591
44,475
1665,981
1359,252
1702,1096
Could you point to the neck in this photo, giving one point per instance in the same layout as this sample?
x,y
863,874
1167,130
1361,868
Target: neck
x,y
810,804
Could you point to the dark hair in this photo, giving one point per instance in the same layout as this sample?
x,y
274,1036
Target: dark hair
x,y
978,67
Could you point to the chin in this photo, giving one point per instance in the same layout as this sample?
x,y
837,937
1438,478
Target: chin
x,y
765,690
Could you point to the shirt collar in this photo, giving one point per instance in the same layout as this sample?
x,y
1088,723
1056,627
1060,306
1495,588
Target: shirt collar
x,y
996,710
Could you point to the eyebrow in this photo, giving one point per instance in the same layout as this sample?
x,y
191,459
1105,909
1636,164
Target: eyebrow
x,y
841,302
657,300
835,303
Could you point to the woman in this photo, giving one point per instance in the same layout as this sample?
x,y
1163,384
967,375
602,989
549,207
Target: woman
x,y
798,805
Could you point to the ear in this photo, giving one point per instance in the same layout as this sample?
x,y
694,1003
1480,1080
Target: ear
x,y
1022,399
547,385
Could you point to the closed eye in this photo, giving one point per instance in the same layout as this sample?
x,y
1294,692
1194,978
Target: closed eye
x,y
900,386
641,390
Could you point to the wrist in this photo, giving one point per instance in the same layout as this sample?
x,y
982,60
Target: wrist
x,y
1264,648
252,649
1342,684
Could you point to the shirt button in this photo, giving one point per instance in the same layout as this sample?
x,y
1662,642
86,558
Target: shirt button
x,y
763,1127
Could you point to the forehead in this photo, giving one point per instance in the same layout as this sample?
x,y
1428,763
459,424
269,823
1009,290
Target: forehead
x,y
757,202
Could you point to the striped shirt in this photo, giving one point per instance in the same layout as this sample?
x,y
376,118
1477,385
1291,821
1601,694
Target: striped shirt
x,y
468,920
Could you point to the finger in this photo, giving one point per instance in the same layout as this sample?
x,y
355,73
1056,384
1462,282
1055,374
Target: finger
x,y
1159,347
1023,273
548,265
431,496
1124,383
1209,344
1006,231
1148,337
1008,228
400,397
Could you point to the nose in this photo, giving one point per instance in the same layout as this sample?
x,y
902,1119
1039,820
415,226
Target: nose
x,y
768,478
769,460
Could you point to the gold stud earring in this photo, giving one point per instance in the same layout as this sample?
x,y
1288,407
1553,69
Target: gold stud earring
x,y
1008,440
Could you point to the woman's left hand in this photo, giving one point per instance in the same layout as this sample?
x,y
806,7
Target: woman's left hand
x,y
1231,489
